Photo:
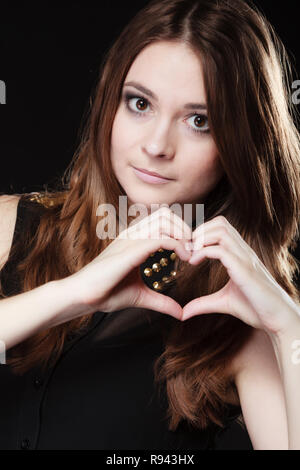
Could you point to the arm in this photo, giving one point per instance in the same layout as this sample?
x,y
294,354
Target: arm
x,y
287,349
48,305
253,295
108,283
261,393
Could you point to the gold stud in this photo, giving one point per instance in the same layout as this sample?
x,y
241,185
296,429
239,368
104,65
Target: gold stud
x,y
156,267
148,272
157,285
173,256
161,250
35,197
167,279
173,273
164,261
42,199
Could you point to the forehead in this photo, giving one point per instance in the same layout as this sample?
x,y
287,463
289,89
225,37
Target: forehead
x,y
164,66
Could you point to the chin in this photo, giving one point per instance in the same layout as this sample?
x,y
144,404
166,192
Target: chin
x,y
144,201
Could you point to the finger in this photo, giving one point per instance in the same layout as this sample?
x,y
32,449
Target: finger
x,y
216,235
165,227
240,273
185,231
213,303
164,219
159,229
160,303
216,221
136,254
216,252
222,223
169,243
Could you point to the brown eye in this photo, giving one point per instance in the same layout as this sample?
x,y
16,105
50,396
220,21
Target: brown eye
x,y
199,120
140,106
139,109
199,124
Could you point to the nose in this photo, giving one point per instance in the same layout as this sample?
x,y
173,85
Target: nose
x,y
161,148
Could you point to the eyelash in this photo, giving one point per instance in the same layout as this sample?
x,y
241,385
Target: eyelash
x,y
129,96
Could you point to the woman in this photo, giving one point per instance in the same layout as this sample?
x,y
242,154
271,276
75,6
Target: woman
x,y
192,90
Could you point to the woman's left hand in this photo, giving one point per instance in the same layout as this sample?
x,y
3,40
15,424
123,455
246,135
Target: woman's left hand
x,y
251,294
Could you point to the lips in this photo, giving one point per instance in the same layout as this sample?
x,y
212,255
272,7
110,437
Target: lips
x,y
150,179
152,173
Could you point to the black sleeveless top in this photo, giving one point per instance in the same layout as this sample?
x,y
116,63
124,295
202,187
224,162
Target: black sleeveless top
x,y
101,392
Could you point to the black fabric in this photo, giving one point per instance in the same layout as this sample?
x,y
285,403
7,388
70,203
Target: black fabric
x,y
27,221
101,393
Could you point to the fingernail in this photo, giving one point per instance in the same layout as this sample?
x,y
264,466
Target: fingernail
x,y
192,258
189,246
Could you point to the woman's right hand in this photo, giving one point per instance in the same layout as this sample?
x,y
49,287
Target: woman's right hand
x,y
112,281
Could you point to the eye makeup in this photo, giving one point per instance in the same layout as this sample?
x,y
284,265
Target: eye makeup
x,y
127,97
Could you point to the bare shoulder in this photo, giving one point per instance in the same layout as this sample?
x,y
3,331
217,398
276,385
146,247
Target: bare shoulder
x,y
256,353
8,216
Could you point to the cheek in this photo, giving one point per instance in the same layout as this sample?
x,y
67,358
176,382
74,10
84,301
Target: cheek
x,y
204,165
116,135
213,169
118,145
122,137
203,175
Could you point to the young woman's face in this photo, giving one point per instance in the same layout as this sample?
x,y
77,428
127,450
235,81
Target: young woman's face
x,y
164,133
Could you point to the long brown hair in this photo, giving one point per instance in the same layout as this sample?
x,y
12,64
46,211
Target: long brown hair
x,y
246,75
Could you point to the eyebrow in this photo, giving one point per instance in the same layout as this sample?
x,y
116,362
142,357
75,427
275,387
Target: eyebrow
x,y
150,93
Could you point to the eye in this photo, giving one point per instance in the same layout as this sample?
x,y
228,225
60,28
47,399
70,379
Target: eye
x,y
142,103
199,120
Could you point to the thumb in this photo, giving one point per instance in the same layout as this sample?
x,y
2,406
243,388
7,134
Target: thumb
x,y
213,303
159,302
